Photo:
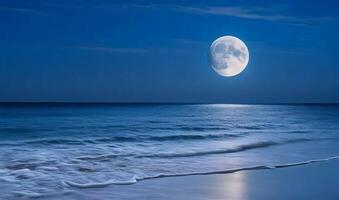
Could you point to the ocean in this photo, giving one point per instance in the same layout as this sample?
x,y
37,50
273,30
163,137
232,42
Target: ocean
x,y
55,149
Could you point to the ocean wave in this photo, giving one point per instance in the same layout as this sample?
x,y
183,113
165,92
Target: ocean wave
x,y
167,137
240,148
258,126
244,147
60,141
228,171
193,137
221,151
199,128
100,157
142,138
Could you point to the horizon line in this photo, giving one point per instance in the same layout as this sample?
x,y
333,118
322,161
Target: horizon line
x,y
167,103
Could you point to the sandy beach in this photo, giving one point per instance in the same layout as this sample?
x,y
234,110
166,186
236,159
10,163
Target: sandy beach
x,y
312,181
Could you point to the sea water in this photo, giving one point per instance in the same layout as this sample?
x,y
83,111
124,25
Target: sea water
x,y
53,149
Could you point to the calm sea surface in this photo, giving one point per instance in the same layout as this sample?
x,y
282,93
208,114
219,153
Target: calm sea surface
x,y
53,149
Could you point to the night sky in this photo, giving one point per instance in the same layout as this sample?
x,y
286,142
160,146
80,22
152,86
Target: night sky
x,y
156,51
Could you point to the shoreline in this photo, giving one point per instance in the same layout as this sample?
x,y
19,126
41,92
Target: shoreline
x,y
229,171
302,181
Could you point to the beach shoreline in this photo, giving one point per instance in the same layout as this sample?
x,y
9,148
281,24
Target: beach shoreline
x,y
311,181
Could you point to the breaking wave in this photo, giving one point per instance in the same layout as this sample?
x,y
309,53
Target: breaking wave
x,y
228,171
244,147
133,138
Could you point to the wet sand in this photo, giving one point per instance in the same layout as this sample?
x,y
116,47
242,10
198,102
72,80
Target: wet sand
x,y
312,181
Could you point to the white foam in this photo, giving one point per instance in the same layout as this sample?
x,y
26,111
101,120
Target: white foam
x,y
99,184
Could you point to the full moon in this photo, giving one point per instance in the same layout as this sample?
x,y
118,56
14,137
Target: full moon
x,y
228,56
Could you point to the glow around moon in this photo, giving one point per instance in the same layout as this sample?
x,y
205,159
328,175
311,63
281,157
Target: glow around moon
x,y
228,56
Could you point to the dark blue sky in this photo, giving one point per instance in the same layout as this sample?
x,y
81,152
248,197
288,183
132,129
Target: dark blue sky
x,y
156,51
